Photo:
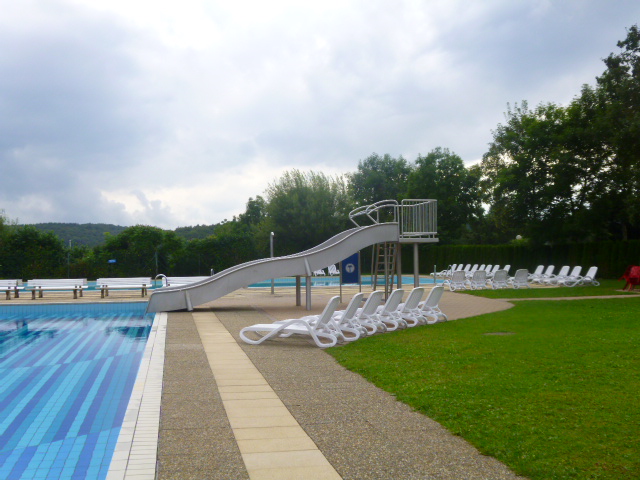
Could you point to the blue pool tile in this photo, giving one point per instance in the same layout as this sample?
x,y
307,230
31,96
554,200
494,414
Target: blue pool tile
x,y
67,378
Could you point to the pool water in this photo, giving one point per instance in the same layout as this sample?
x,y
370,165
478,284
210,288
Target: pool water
x,y
335,281
67,374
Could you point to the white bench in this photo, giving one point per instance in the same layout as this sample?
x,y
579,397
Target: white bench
x,y
178,281
9,286
77,285
132,283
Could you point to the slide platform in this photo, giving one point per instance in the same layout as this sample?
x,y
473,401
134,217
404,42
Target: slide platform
x,y
334,250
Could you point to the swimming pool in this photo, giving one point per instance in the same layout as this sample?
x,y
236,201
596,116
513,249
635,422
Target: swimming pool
x,y
67,374
333,281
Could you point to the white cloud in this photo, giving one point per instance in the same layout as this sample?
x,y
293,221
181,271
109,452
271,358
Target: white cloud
x,y
173,114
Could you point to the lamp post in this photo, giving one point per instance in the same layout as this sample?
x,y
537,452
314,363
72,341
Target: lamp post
x,y
271,247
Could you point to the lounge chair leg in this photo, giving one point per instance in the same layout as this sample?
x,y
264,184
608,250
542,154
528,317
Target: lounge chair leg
x,y
8,293
75,293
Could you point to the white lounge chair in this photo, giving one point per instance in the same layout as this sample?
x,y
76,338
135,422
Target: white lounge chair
x,y
388,314
572,279
341,320
447,271
589,278
520,279
320,329
472,271
500,279
478,280
548,273
319,273
537,273
333,270
410,310
457,281
553,279
506,268
365,318
430,312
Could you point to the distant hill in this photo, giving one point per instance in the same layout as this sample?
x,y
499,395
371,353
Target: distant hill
x,y
92,234
89,234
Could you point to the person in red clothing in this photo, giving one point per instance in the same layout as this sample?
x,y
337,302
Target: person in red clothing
x,y
632,276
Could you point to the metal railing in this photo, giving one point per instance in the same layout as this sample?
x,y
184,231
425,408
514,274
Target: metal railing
x,y
416,218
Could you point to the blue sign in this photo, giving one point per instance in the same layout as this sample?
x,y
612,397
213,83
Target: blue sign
x,y
350,269
113,260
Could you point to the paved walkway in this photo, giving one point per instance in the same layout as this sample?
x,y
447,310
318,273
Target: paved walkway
x,y
287,410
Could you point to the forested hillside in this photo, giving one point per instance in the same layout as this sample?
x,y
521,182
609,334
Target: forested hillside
x,y
89,234
93,234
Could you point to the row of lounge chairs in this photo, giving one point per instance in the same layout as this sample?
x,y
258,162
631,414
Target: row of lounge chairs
x,y
479,280
566,277
469,270
333,270
332,327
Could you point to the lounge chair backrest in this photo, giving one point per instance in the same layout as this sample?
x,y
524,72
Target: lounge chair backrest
x,y
459,276
592,272
352,308
521,276
474,268
488,268
482,267
564,271
328,311
480,276
372,303
549,271
434,296
393,301
576,272
538,271
495,269
467,267
506,268
414,298
500,276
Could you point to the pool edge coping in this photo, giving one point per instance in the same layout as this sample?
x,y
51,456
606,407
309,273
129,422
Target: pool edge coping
x,y
136,450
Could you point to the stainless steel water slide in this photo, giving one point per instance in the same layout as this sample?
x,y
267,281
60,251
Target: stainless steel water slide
x,y
334,250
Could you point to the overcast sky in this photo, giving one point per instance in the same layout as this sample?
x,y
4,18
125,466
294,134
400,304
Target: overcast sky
x,y
174,113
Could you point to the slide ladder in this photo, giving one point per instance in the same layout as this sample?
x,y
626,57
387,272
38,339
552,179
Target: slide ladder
x,y
384,266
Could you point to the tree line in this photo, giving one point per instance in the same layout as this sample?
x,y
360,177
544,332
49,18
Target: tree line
x,y
552,174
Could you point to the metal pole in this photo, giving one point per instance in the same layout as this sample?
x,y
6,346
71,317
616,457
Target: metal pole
x,y
416,266
298,293
271,247
308,293
399,263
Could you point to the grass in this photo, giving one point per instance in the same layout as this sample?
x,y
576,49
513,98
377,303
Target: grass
x,y
606,287
557,397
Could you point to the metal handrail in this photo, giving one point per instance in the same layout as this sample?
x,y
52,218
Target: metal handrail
x,y
416,217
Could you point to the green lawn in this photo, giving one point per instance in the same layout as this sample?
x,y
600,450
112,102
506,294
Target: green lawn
x,y
555,397
606,287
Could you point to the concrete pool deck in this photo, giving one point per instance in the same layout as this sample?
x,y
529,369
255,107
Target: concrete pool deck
x,y
286,409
